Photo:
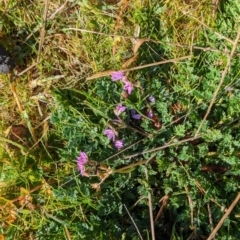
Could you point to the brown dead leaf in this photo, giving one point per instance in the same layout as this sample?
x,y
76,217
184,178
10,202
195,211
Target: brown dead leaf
x,y
130,61
96,186
11,217
19,134
138,43
26,199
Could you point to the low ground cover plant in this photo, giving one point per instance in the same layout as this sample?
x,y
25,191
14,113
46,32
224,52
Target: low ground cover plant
x,y
131,121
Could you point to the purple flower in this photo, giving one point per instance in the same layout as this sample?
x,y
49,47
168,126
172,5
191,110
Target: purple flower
x,y
119,109
117,76
81,161
110,134
151,99
119,144
127,85
150,114
135,115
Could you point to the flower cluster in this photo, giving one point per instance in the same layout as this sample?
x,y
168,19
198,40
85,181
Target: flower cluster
x,y
81,161
111,136
110,133
115,76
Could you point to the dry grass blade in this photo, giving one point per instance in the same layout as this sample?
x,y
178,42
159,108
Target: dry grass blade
x,y
191,207
210,216
27,120
224,217
218,34
67,233
133,222
58,10
27,69
215,7
107,73
99,33
43,31
13,89
221,82
150,209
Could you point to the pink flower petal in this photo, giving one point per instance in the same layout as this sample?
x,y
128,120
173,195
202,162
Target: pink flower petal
x,y
110,134
81,161
119,144
117,76
119,109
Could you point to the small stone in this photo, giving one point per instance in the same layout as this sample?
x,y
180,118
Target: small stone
x,y
6,62
18,134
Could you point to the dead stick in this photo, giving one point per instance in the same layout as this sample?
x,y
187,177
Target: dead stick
x,y
224,217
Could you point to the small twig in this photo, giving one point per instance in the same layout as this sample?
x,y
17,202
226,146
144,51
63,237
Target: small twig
x,y
67,233
133,222
136,203
210,216
224,217
119,170
42,122
58,10
191,207
148,135
220,83
162,147
71,179
118,153
151,158
27,69
36,141
39,107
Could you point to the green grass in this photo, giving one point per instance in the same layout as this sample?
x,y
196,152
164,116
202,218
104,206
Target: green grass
x,y
177,172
